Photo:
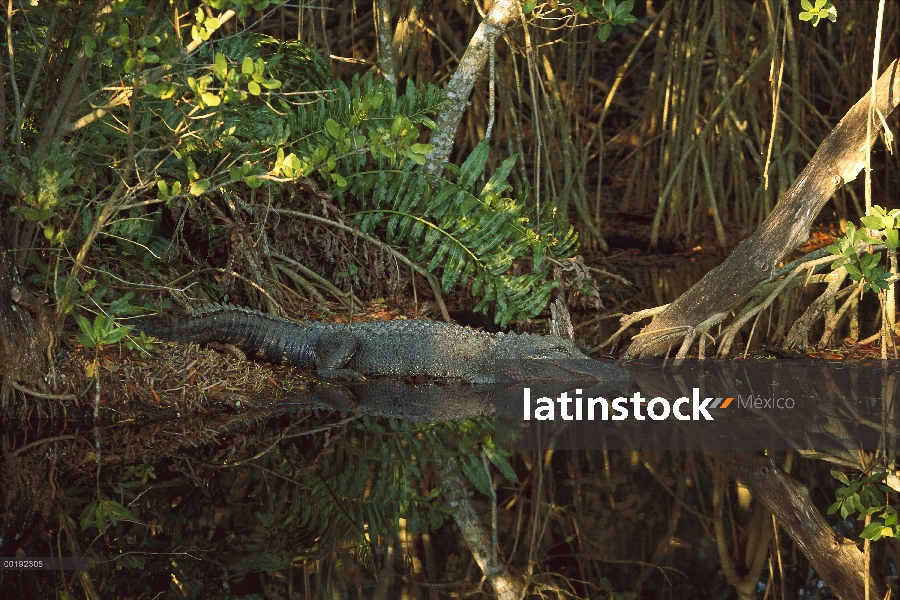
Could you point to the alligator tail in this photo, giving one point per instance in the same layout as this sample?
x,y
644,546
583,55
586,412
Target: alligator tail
x,y
270,337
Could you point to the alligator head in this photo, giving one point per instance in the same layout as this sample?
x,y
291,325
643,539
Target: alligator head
x,y
548,358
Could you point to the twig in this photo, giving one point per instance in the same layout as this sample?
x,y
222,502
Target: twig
x,y
41,395
629,320
57,438
335,291
307,286
432,280
12,72
223,271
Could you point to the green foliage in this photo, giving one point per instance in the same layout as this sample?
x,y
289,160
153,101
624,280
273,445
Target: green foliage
x,y
883,225
863,266
865,497
467,228
470,437
823,9
104,513
41,185
472,230
102,333
250,112
606,12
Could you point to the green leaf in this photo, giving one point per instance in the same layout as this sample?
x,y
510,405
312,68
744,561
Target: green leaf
x,y
253,88
199,187
806,5
117,334
422,148
474,470
88,515
871,221
388,152
149,41
90,46
84,324
210,99
220,68
840,477
528,6
499,460
247,66
416,158
625,8
473,166
609,6
604,32
99,326
873,531
624,20
333,129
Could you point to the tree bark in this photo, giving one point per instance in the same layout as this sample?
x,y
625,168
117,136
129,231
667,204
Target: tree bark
x,y
24,339
458,90
838,160
387,54
837,560
458,498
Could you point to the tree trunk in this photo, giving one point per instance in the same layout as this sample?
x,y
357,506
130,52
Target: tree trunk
x,y
837,560
501,13
458,498
838,160
23,341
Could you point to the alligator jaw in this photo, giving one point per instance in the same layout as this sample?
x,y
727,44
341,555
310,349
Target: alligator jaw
x,y
552,369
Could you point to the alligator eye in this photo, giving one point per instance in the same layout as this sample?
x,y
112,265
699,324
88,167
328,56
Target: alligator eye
x,y
562,349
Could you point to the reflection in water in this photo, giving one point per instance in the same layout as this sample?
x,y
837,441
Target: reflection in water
x,y
337,494
662,283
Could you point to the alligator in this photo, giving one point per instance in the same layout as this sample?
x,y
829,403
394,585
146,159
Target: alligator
x,y
399,348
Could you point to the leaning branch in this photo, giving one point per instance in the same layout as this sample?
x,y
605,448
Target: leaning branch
x,y
838,160
837,560
458,90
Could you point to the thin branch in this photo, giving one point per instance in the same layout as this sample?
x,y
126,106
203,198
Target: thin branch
x,y
12,73
432,280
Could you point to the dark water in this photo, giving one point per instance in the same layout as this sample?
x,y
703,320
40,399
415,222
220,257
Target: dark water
x,y
337,494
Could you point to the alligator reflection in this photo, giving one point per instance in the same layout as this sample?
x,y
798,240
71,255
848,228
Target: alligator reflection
x,y
276,502
806,406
